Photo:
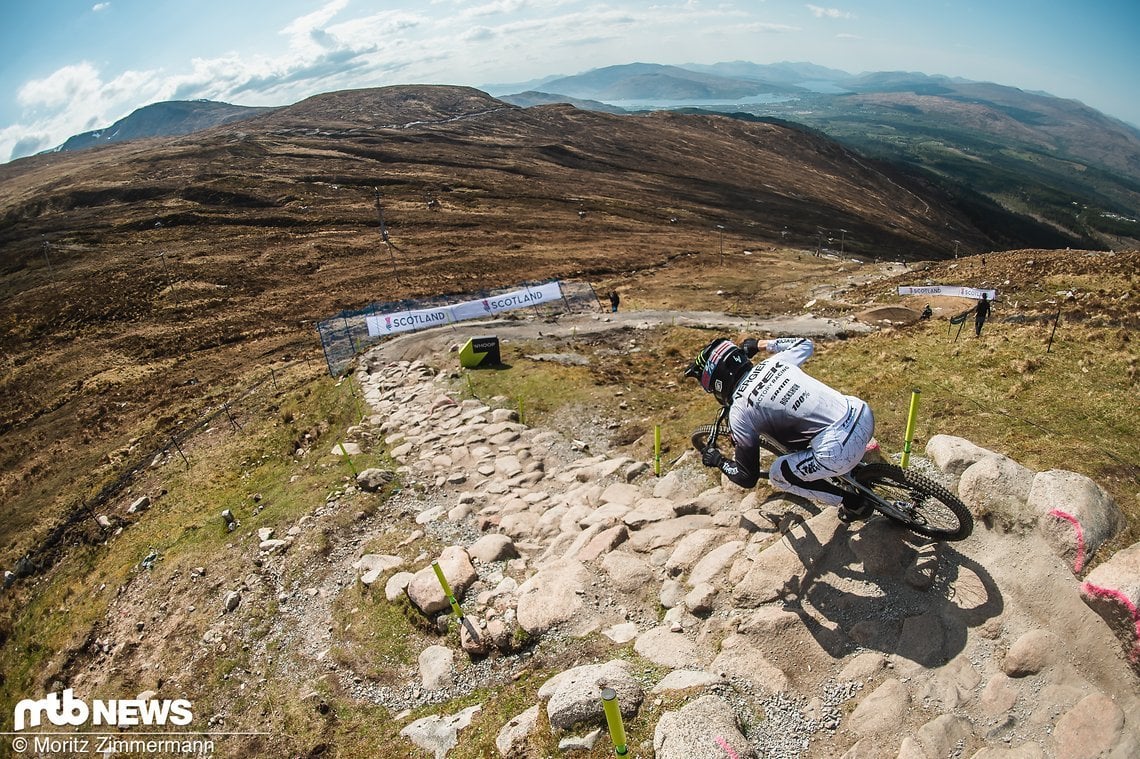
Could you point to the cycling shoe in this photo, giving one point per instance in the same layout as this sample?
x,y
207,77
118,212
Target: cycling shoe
x,y
854,509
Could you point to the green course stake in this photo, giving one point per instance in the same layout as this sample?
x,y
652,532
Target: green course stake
x,y
447,590
910,417
346,458
657,449
613,721
470,386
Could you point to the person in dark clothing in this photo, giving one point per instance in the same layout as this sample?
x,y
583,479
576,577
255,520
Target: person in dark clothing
x,y
927,312
614,300
981,311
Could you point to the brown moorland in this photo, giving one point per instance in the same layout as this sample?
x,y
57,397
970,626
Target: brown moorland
x,y
141,279
148,282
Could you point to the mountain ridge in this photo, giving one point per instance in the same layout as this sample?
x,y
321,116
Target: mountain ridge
x,y
163,119
1058,161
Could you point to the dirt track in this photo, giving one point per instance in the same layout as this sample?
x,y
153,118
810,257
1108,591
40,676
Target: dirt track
x,y
414,345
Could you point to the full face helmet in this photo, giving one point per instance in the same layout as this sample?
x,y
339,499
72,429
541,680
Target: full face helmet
x,y
719,367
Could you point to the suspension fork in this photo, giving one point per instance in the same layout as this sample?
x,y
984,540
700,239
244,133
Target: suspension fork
x,y
721,418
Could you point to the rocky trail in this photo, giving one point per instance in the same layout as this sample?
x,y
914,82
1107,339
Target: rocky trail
x,y
733,623
785,632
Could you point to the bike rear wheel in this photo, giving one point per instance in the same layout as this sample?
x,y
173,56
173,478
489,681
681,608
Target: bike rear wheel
x,y
916,501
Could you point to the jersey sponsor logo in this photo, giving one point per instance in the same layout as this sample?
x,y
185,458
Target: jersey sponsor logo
x,y
788,395
773,373
808,466
780,388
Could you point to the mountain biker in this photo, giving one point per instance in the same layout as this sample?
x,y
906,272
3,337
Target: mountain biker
x,y
827,431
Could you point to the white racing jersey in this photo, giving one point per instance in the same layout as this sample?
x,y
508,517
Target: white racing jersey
x,y
779,399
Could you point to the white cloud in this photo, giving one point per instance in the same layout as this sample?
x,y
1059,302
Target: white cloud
x,y
75,99
478,34
100,7
309,28
62,87
819,12
761,27
496,7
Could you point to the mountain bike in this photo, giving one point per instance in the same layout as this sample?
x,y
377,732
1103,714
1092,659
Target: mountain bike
x,y
913,500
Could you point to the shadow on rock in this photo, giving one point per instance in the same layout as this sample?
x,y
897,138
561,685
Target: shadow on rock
x,y
878,586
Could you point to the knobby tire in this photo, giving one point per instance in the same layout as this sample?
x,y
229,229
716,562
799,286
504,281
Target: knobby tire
x,y
916,501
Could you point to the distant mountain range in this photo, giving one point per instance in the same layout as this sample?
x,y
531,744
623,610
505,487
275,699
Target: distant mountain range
x,y
168,119
1049,158
1052,159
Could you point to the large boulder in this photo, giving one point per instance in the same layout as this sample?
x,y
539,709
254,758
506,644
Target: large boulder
x,y
1112,590
513,736
373,479
552,596
666,648
493,547
779,568
436,663
954,455
438,735
1094,727
882,710
704,727
1075,514
996,489
575,696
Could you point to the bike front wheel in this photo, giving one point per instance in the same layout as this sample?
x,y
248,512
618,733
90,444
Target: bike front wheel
x,y
703,434
916,501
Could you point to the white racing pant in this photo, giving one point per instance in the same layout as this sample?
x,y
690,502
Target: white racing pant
x,y
835,450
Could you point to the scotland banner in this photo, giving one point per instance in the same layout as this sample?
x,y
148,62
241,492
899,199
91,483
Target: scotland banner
x,y
956,292
495,304
407,321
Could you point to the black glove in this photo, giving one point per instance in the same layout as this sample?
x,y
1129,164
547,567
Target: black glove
x,y
712,457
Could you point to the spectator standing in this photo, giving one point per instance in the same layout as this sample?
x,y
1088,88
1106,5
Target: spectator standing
x,y
614,300
981,311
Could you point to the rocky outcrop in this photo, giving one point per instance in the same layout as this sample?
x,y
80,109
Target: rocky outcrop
x,y
1113,591
1076,515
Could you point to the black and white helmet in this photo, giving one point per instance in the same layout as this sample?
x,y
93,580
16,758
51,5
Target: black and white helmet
x,y
719,367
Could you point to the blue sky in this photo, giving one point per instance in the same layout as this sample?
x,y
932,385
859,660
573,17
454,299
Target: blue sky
x,y
67,66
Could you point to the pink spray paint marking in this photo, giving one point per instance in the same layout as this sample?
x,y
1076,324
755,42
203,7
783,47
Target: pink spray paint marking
x,y
1110,595
1079,562
724,744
